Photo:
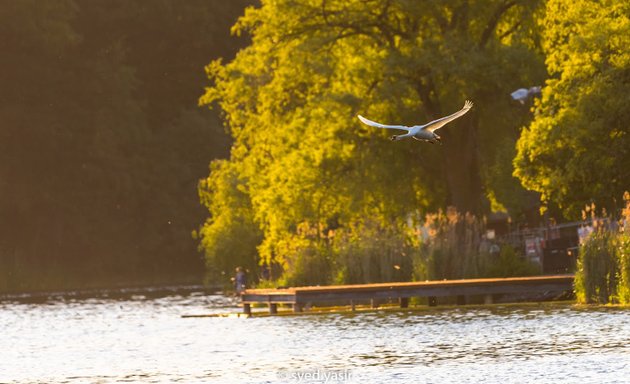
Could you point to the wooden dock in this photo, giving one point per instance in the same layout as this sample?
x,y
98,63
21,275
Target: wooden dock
x,y
299,297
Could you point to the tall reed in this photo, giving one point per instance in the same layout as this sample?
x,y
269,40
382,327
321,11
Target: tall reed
x,y
454,246
624,253
603,273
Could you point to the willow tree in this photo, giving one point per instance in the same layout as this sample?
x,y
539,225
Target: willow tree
x,y
577,149
312,173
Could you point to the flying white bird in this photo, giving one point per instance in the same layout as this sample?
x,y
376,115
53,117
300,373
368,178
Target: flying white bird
x,y
424,132
523,94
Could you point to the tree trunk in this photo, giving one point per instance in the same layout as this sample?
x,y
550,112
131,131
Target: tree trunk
x,y
460,151
461,160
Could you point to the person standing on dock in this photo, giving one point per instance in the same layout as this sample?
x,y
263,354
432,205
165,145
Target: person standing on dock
x,y
240,281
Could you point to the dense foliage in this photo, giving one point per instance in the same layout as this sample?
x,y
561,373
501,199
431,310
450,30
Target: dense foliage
x,y
596,278
321,195
102,142
577,149
101,139
603,274
455,246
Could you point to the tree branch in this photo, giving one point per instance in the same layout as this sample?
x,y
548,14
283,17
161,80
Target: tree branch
x,y
510,30
494,21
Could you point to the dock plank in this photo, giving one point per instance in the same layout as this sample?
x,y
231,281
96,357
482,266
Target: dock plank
x,y
299,296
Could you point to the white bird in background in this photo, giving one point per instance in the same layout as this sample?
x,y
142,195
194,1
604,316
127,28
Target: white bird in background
x,y
523,94
424,132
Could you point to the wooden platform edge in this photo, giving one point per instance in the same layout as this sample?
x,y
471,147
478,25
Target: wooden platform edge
x,y
298,297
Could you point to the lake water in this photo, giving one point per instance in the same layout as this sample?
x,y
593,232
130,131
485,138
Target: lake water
x,y
144,340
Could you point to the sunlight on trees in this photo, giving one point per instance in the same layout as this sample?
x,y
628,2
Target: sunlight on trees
x,y
311,174
577,148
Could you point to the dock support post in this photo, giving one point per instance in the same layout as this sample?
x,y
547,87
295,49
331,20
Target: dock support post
x,y
432,301
488,299
461,300
297,307
247,309
273,308
374,303
404,302
352,306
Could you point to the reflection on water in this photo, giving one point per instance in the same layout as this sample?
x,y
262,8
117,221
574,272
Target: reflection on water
x,y
143,339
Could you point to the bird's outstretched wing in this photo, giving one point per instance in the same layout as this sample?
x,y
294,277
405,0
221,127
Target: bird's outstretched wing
x,y
378,125
439,123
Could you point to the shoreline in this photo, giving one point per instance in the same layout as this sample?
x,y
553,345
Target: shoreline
x,y
392,308
152,290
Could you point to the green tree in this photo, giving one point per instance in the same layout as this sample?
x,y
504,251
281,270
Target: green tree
x,y
577,149
310,170
230,231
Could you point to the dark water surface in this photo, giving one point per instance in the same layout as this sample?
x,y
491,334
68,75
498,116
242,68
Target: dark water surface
x,y
144,340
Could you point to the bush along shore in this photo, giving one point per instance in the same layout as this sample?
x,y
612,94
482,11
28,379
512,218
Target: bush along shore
x,y
603,274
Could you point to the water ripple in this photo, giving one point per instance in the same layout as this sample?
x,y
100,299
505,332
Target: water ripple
x,y
141,339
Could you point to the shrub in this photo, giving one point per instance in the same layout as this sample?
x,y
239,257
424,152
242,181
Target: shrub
x,y
624,268
598,267
603,274
370,253
311,267
451,247
510,264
